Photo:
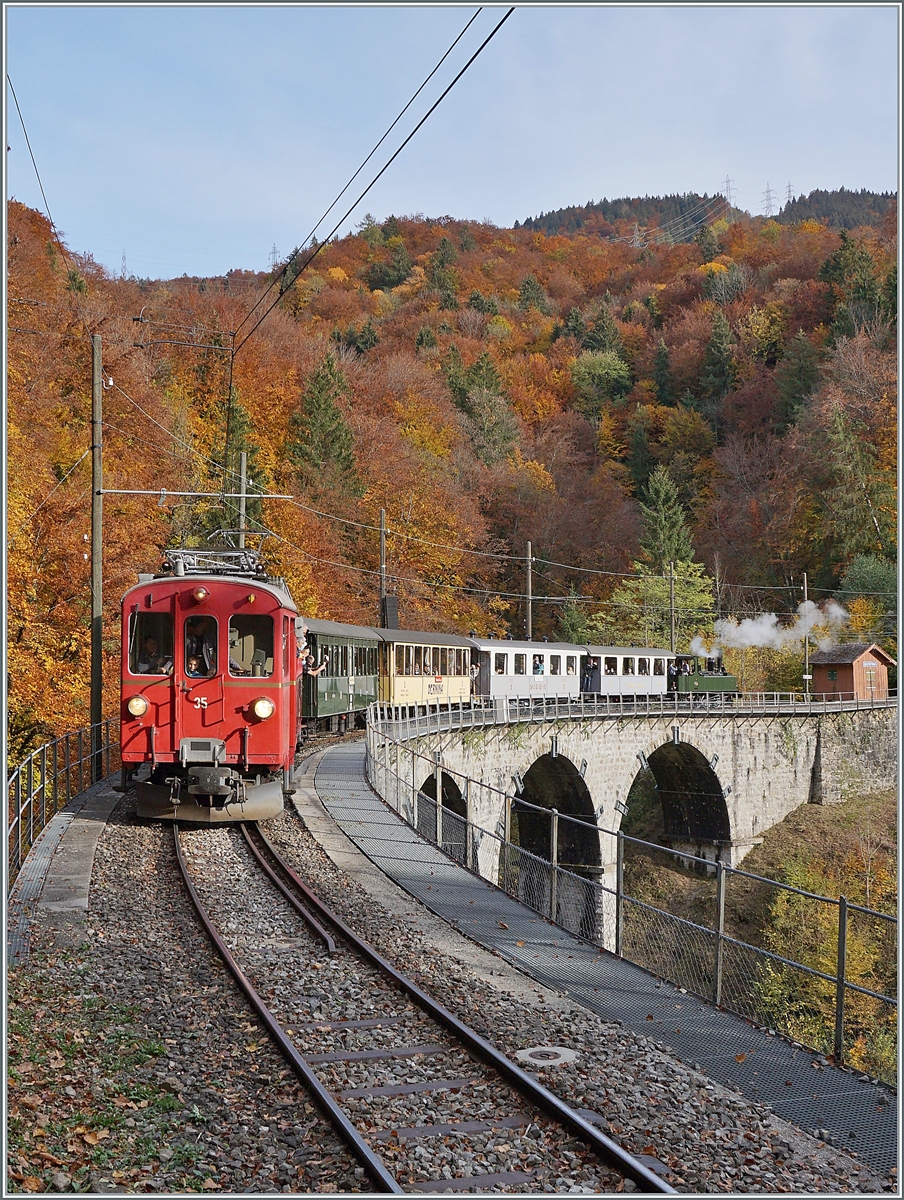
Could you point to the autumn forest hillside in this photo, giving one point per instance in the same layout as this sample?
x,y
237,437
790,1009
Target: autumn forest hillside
x,y
727,404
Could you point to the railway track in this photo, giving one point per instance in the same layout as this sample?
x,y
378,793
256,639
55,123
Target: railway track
x,y
423,1102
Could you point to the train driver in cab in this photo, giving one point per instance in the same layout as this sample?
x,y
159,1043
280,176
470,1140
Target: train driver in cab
x,y
152,661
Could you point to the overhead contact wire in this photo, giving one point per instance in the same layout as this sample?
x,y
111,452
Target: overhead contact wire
x,y
352,179
380,173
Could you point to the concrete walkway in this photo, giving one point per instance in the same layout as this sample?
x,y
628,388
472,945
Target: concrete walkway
x,y
52,888
859,1116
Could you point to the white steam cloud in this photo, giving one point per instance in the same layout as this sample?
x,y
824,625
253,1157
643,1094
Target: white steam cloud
x,y
766,631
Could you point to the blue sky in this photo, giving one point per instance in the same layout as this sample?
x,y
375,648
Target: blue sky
x,y
193,139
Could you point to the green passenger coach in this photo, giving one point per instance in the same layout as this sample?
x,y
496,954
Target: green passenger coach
x,y
350,679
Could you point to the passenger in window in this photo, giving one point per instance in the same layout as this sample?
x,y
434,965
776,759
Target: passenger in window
x,y
611,668
309,666
151,661
194,667
591,681
570,670
538,664
200,641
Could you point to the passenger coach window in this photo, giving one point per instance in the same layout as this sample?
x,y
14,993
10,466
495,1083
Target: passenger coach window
x,y
555,664
500,664
428,661
658,666
571,664
643,666
520,664
627,667
443,661
250,645
151,644
539,664
611,666
418,659
400,660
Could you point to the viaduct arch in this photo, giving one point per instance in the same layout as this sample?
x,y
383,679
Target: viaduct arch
x,y
723,779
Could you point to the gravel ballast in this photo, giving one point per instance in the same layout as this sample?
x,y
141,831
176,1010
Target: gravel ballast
x,y
135,1065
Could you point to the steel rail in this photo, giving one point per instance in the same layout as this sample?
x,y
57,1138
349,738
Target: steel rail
x,y
373,1165
608,1149
307,917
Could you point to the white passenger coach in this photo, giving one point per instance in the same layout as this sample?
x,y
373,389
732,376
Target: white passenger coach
x,y
549,670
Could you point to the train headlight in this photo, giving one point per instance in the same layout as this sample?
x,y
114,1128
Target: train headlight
x,y
137,706
263,707
200,593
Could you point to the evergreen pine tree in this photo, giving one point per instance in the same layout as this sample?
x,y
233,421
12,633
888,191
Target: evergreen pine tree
x,y
718,373
444,254
708,242
851,272
466,241
666,538
574,325
796,377
532,295
484,304
889,298
320,444
640,460
662,374
389,275
604,334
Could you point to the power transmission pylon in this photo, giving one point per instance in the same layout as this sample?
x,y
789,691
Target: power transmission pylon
x,y
727,192
274,258
769,199
122,271
637,236
789,195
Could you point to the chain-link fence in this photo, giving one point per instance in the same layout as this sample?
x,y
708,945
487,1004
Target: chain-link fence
x,y
48,779
825,973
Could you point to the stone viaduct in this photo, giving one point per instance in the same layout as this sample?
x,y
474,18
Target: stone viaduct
x,y
722,778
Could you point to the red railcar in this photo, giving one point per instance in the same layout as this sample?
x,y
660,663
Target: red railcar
x,y
210,696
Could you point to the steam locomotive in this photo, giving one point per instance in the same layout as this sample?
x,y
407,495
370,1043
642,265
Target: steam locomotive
x,y
216,694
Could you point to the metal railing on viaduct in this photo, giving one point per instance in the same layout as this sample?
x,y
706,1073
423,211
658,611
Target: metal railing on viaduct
x,y
476,713
838,1002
